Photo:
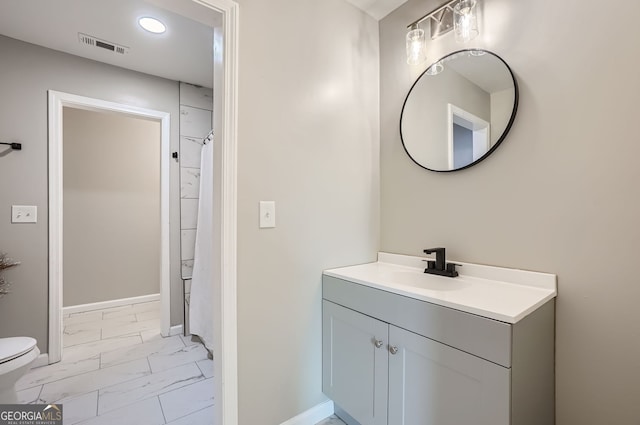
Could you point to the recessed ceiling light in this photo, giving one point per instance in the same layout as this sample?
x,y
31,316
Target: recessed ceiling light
x,y
152,25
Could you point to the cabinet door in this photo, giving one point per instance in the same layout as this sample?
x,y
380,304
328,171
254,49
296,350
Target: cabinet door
x,y
433,384
354,370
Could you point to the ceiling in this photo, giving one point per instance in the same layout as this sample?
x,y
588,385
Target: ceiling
x,y
183,53
377,8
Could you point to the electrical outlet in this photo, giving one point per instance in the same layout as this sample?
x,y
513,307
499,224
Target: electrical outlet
x,y
267,214
24,214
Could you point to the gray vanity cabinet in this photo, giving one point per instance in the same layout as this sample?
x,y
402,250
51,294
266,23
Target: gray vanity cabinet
x,y
381,374
431,383
355,363
394,360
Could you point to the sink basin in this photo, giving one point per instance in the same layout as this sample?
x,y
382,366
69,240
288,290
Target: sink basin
x,y
419,280
507,295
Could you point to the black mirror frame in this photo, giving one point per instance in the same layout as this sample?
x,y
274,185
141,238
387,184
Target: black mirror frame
x,y
502,136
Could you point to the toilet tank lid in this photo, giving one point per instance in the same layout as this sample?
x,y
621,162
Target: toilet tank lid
x,y
10,348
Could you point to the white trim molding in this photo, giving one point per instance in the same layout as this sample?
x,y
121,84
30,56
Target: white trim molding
x,y
41,360
314,415
176,330
57,101
82,308
480,129
226,315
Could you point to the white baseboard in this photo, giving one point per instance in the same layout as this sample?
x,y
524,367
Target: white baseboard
x,y
313,415
175,330
109,304
41,360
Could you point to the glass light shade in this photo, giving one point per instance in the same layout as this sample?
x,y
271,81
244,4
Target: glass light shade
x,y
416,47
465,21
435,69
152,25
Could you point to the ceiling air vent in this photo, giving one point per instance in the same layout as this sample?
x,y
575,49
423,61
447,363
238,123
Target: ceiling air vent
x,y
90,40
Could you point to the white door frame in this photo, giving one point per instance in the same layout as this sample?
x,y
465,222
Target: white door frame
x,y
226,56
57,101
481,131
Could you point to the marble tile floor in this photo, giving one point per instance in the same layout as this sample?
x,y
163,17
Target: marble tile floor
x,y
331,420
116,368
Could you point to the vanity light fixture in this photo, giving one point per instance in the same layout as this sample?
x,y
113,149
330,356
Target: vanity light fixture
x,y
456,14
152,25
416,46
465,21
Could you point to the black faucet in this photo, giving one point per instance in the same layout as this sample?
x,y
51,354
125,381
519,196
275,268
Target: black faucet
x,y
440,265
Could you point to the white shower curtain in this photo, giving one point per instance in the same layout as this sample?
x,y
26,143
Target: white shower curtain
x,y
200,306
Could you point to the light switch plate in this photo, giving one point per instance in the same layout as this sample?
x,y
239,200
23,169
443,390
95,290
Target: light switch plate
x,y
24,214
267,214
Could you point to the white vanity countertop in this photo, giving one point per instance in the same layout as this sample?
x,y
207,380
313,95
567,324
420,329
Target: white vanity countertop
x,y
498,293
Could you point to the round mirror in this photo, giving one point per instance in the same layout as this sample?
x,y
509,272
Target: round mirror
x,y
459,110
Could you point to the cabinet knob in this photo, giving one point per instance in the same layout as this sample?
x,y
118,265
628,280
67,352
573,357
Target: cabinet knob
x,y
393,350
378,343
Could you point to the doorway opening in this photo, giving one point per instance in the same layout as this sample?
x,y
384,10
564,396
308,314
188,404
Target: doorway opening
x,y
225,123
224,304
59,103
469,137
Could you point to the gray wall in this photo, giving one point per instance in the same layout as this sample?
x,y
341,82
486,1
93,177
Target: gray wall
x,y
26,73
308,140
501,108
111,206
434,93
560,195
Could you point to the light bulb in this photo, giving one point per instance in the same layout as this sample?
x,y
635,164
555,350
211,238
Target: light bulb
x,y
435,69
152,25
477,52
416,46
465,21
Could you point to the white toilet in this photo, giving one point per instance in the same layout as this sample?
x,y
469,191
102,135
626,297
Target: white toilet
x,y
16,356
